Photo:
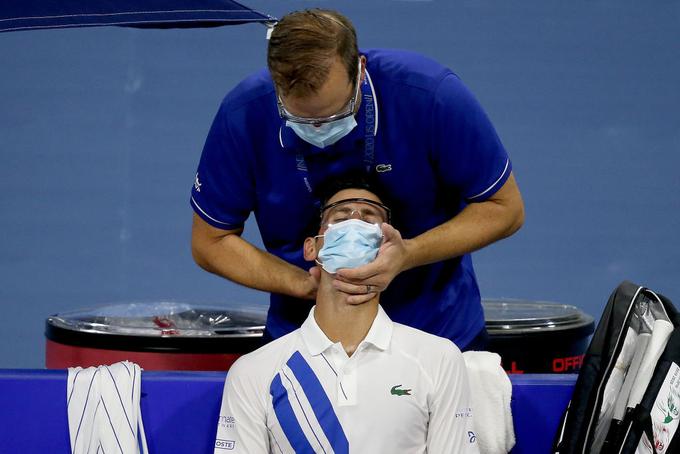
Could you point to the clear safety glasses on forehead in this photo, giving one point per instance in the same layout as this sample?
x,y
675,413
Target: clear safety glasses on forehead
x,y
346,112
365,209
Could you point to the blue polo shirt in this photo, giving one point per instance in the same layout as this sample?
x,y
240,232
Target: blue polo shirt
x,y
420,131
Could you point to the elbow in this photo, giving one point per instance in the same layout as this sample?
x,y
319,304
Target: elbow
x,y
510,208
205,244
510,218
203,249
209,248
199,255
516,219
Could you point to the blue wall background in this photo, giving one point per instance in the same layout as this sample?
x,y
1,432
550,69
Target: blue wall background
x,y
101,130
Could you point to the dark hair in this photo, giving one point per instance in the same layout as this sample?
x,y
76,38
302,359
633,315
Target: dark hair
x,y
350,180
304,44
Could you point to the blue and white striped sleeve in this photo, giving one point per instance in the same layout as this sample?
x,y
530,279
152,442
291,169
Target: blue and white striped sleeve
x,y
242,425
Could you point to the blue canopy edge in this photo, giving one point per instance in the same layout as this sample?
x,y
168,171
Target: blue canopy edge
x,y
17,15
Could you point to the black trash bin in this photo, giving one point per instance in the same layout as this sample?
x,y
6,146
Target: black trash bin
x,y
537,336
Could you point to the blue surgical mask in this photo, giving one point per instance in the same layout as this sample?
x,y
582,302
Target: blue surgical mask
x,y
325,134
349,244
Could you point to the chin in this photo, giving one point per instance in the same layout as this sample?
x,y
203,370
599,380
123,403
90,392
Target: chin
x,y
369,302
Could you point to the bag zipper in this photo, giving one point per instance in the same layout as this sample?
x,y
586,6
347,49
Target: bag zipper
x,y
625,438
564,426
644,434
608,370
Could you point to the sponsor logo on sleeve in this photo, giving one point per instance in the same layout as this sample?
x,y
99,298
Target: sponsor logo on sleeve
x,y
227,422
472,438
197,184
463,413
227,445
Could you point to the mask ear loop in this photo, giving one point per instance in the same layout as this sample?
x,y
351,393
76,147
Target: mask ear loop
x,y
317,258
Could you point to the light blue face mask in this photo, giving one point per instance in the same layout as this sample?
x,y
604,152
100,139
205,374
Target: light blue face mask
x,y
349,244
325,134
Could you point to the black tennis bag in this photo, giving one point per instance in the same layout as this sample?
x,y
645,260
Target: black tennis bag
x,y
627,396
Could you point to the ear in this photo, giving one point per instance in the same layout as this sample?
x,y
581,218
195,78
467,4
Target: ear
x,y
309,249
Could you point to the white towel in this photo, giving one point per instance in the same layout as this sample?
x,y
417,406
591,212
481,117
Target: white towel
x,y
103,409
491,393
661,332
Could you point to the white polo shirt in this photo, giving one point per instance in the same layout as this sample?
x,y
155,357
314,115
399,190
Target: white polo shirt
x,y
402,391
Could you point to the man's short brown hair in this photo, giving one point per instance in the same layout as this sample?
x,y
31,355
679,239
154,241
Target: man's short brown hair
x,y
304,44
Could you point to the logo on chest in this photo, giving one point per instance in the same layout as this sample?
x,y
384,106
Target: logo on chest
x,y
396,391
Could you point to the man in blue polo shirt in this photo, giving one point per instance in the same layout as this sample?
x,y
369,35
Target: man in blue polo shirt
x,y
322,109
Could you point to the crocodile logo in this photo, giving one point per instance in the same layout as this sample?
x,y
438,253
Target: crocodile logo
x,y
399,392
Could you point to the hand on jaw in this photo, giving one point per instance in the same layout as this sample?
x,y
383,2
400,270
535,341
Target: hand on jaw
x,y
359,251
308,285
365,282
326,291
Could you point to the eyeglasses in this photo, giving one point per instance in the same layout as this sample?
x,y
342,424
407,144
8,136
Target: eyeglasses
x,y
367,210
344,113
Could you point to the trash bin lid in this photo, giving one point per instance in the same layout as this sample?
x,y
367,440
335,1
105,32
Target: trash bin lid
x,y
521,317
159,325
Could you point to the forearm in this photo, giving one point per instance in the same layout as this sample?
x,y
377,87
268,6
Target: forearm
x,y
475,227
478,225
233,258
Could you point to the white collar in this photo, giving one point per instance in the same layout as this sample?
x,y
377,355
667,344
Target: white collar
x,y
317,342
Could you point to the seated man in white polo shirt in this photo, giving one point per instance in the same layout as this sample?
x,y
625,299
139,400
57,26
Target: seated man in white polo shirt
x,y
349,380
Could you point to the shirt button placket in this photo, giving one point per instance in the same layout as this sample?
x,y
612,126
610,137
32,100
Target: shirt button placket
x,y
348,381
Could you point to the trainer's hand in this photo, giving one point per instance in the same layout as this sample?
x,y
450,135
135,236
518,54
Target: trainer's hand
x,y
364,282
310,284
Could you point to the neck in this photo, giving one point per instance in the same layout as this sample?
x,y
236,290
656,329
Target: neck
x,y
340,321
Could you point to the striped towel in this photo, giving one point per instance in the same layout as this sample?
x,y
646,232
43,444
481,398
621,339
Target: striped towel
x,y
103,409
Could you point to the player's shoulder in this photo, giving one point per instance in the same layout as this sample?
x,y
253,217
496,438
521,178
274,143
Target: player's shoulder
x,y
437,357
421,344
266,360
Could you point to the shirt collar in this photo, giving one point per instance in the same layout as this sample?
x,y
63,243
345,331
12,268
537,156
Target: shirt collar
x,y
315,339
379,335
290,141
